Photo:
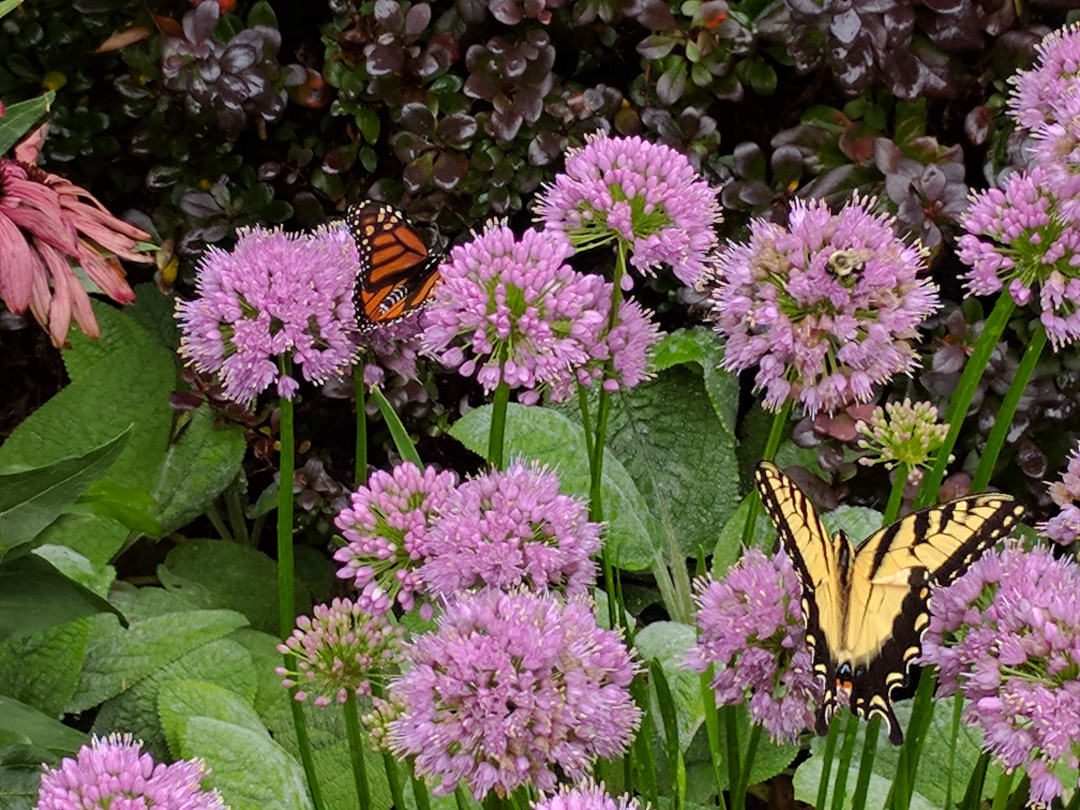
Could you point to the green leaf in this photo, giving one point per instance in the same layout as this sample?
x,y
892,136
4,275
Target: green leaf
x,y
35,596
681,458
7,6
262,13
31,500
95,537
857,522
42,670
20,773
666,644
544,435
118,658
270,698
223,574
197,468
21,117
31,726
180,699
704,348
251,771
334,767
729,547
74,566
223,663
122,379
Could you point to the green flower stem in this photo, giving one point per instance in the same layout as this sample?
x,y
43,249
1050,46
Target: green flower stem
x,y
738,794
772,444
419,789
356,750
237,519
393,773
405,447
712,729
1004,788
922,713
992,331
973,793
360,474
498,424
954,736
866,762
287,584
214,516
460,796
729,719
826,762
896,494
1007,411
586,422
843,764
1074,802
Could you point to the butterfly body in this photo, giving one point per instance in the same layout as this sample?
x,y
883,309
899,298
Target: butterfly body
x,y
397,272
866,607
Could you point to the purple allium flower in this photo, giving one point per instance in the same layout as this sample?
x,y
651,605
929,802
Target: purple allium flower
x,y
645,194
1007,635
1064,527
276,297
509,528
338,651
386,533
1038,92
825,307
392,347
1028,235
586,796
512,311
114,773
751,627
513,689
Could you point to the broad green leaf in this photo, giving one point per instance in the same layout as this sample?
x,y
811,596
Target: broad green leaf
x,y
681,457
21,117
270,698
118,658
20,773
35,596
667,643
34,727
7,6
223,663
156,313
95,537
197,468
857,522
42,670
74,566
251,771
31,500
223,574
334,767
544,435
933,771
180,699
703,347
771,758
729,547
122,379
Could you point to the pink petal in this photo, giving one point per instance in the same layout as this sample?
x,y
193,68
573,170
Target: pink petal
x,y
107,274
18,265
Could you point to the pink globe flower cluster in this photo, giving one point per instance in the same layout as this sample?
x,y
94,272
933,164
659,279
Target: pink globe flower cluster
x,y
413,532
1064,527
114,773
276,299
750,627
1007,636
1045,103
825,308
645,195
586,796
510,310
513,689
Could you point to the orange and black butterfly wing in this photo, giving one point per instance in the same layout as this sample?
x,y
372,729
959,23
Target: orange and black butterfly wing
x,y
397,273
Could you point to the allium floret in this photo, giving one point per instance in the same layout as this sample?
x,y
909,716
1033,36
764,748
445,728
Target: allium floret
x,y
646,195
509,528
902,433
277,298
1027,236
1038,92
1064,527
825,307
1007,635
586,796
510,310
750,626
386,533
338,651
554,697
113,772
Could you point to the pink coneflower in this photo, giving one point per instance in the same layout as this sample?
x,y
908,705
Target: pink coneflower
x,y
48,225
338,650
509,528
115,773
825,308
513,689
751,627
275,299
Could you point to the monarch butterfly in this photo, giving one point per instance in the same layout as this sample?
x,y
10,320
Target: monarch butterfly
x,y
866,607
397,273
